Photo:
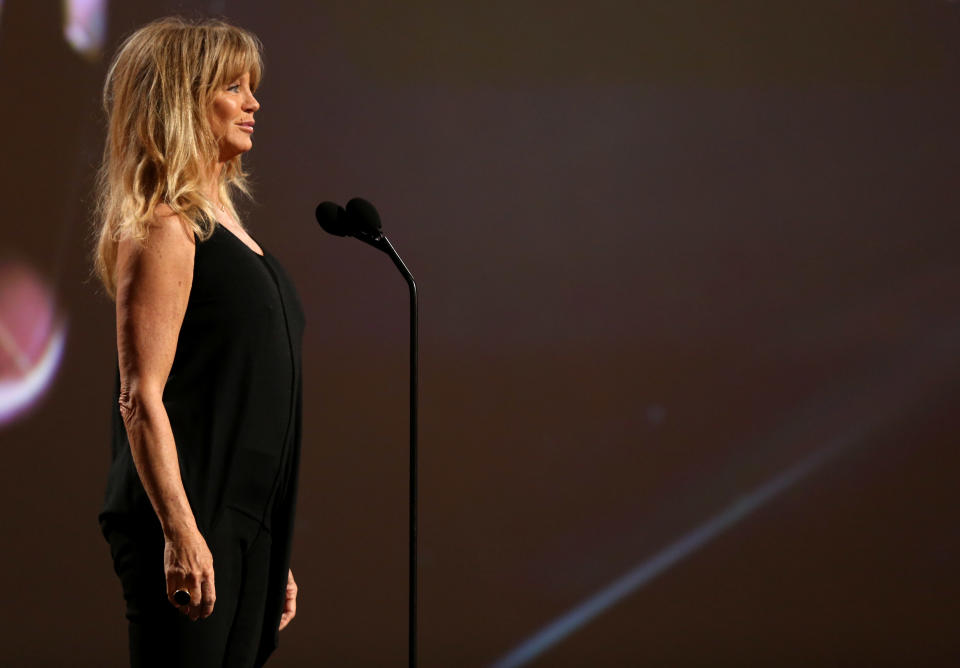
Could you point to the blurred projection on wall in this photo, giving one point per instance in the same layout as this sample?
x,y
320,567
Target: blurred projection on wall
x,y
85,26
32,336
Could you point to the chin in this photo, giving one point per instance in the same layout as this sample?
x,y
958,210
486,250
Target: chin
x,y
234,151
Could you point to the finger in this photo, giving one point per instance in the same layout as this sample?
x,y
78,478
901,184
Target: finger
x,y
289,607
292,590
174,584
196,597
183,609
209,597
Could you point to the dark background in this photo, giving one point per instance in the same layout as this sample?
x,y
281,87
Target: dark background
x,y
666,252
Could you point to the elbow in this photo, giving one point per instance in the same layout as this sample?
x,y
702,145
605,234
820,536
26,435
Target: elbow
x,y
128,405
134,404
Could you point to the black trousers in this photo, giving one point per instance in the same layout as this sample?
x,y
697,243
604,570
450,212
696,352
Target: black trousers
x,y
160,635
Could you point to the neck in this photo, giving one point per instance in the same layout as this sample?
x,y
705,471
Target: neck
x,y
212,183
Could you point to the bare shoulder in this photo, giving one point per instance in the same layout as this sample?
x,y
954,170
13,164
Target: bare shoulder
x,y
169,235
169,229
163,261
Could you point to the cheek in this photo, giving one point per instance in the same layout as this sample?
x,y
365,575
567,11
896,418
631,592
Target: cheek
x,y
222,115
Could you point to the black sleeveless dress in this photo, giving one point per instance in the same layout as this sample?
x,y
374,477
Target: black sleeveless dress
x,y
234,399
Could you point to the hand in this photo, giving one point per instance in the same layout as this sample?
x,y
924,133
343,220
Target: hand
x,y
188,564
290,605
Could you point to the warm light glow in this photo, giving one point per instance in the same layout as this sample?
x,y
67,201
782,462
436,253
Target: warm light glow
x,y
32,337
17,396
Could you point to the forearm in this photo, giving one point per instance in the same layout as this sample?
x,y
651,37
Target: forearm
x,y
154,454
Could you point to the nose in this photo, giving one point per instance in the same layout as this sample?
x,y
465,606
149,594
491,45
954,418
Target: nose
x,y
252,105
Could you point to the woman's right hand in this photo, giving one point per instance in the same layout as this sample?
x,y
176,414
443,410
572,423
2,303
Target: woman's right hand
x,y
188,564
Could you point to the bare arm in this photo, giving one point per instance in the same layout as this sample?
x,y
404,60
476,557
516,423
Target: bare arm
x,y
153,287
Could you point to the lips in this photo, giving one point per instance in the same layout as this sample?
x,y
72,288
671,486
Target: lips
x,y
247,125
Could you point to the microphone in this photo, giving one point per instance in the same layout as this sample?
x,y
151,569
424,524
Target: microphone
x,y
360,220
332,218
364,217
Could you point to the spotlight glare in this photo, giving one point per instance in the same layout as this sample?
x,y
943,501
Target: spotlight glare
x,y
85,26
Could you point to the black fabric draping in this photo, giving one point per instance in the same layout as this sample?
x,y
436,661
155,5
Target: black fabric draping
x,y
234,399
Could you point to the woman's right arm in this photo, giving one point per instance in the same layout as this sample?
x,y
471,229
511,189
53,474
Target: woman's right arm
x,y
153,286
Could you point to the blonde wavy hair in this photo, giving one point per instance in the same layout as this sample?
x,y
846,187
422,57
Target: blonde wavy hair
x,y
160,146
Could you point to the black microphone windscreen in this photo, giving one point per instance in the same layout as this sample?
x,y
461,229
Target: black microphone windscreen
x,y
333,218
363,217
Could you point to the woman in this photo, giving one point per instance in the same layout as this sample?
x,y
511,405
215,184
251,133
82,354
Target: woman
x,y
200,497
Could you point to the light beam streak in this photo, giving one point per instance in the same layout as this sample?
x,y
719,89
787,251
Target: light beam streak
x,y
646,571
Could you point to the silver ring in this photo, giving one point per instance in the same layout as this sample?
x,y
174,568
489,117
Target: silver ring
x,y
181,597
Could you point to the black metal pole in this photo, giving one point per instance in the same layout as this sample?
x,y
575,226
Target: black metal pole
x,y
384,244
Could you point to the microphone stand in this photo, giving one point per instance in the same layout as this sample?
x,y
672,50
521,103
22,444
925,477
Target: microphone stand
x,y
380,242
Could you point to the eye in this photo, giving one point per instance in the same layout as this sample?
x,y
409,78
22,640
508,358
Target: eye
x,y
234,88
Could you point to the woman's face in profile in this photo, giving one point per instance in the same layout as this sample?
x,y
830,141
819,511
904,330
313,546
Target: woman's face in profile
x,y
231,117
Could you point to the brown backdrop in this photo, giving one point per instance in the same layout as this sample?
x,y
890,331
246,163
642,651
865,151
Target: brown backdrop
x,y
667,252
